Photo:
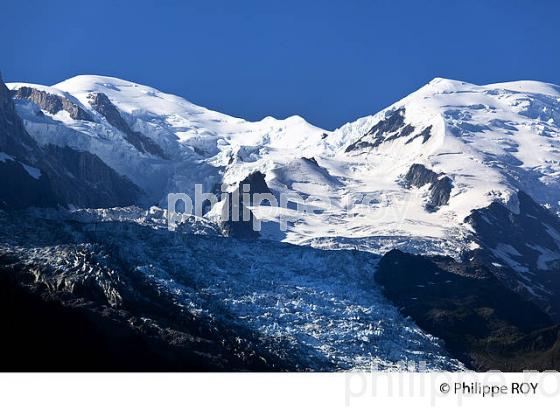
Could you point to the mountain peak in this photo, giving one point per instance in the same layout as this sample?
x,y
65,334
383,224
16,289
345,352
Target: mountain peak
x,y
85,80
441,81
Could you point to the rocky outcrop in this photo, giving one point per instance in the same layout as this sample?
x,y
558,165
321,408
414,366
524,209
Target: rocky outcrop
x,y
257,185
425,134
51,103
524,248
482,322
77,330
440,186
20,189
101,103
532,225
390,128
82,179
440,192
418,175
14,139
18,155
381,132
237,220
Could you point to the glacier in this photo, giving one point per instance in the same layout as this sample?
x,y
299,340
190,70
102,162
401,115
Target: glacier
x,y
319,309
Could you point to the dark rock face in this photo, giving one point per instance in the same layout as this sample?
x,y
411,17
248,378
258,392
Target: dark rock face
x,y
379,133
21,190
425,134
440,192
234,223
391,128
440,186
418,175
18,188
531,236
87,181
78,330
496,224
482,322
393,121
237,219
101,103
77,339
14,139
51,103
257,185
235,208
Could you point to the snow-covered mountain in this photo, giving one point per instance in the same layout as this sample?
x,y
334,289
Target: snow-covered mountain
x,y
50,175
457,169
491,141
194,144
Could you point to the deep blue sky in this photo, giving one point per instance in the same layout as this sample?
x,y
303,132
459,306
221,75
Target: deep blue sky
x,y
330,62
